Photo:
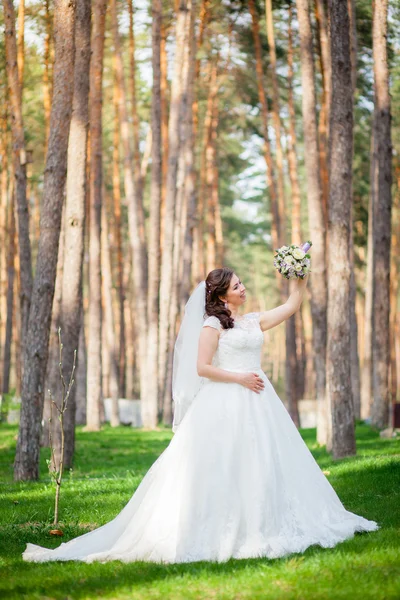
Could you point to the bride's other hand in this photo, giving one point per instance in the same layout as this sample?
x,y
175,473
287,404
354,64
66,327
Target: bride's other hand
x,y
251,381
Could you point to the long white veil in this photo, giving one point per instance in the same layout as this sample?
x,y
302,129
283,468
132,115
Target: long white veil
x,y
185,381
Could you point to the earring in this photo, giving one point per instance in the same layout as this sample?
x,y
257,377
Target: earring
x,y
226,304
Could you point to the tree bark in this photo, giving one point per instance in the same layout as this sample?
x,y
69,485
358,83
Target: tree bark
x,y
366,378
381,219
19,164
9,296
326,74
74,223
109,323
36,348
166,281
118,242
94,375
315,216
21,43
275,225
46,72
155,207
338,370
136,241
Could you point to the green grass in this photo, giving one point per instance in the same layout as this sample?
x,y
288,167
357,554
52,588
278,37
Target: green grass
x,y
109,467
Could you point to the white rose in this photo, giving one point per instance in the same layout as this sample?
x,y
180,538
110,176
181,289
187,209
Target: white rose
x,y
298,268
298,253
289,260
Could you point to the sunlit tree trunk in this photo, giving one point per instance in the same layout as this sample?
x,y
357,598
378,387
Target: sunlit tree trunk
x,y
137,246
21,43
118,242
4,235
315,216
190,200
276,120
19,165
338,371
326,74
394,289
275,224
81,371
135,129
9,295
354,356
109,322
94,337
36,347
366,372
46,72
53,382
180,198
381,221
155,207
166,280
74,223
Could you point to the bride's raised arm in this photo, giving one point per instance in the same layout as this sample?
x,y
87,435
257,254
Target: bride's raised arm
x,y
271,318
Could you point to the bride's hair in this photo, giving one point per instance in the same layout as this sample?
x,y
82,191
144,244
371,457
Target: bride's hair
x,y
217,284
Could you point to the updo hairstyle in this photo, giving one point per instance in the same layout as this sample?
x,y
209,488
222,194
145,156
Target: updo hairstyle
x,y
217,284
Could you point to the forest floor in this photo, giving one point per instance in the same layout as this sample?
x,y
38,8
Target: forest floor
x,y
109,466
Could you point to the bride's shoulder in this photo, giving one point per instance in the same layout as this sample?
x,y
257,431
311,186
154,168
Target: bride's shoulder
x,y
214,322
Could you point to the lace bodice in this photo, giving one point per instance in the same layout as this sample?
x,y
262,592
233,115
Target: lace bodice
x,y
239,348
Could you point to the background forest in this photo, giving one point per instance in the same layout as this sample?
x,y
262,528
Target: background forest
x,y
143,144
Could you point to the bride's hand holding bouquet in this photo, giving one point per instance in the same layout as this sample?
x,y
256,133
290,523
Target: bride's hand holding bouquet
x,y
293,262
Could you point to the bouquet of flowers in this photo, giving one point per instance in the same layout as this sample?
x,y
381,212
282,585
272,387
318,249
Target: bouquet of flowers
x,y
293,261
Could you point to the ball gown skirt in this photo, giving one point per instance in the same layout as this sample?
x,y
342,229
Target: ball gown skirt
x,y
236,481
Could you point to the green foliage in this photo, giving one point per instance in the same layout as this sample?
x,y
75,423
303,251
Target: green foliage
x,y
110,466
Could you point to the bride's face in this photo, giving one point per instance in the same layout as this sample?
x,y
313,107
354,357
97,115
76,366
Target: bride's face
x,y
236,294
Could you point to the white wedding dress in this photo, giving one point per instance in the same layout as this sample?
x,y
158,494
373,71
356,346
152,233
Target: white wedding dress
x,y
236,480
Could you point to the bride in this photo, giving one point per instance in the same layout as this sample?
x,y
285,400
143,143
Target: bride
x,y
236,480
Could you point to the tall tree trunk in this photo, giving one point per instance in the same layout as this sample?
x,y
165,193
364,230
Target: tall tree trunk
x,y
326,73
155,207
381,218
315,216
118,240
276,120
46,72
94,375
74,222
4,236
21,43
190,200
109,322
340,203
166,281
136,241
36,347
52,381
180,208
354,356
394,289
290,325
19,164
366,378
135,129
275,225
10,296
81,371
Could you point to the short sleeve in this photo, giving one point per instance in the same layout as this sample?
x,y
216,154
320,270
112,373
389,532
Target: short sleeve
x,y
213,322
